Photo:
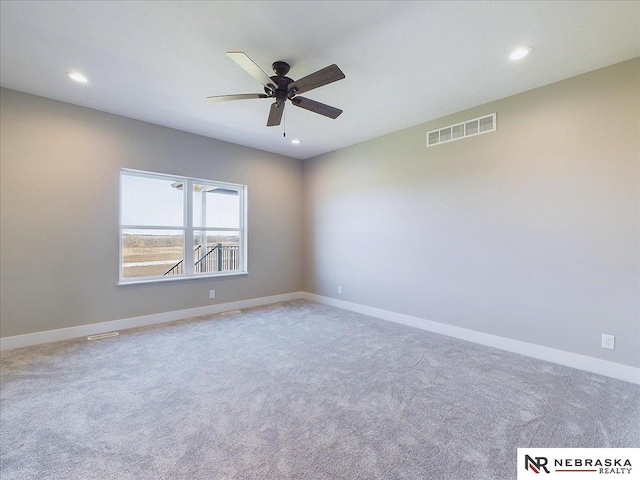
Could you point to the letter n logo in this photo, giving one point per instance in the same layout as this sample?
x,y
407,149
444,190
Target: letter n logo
x,y
536,465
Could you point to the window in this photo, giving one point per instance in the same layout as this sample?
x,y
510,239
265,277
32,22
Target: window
x,y
176,227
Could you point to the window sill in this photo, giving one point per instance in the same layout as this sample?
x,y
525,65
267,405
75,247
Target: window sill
x,y
179,278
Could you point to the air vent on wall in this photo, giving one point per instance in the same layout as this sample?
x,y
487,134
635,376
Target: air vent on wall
x,y
469,128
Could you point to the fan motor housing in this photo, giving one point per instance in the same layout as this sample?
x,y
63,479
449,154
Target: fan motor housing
x,y
281,82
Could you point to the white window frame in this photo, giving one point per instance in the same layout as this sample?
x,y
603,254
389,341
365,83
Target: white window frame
x,y
187,228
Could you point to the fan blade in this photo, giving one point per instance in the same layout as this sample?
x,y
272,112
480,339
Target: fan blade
x,y
320,78
316,107
241,96
275,114
252,69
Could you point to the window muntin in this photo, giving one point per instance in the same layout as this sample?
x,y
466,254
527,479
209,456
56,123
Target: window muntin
x,y
166,219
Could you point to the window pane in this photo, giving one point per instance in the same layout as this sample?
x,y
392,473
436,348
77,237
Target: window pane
x,y
220,254
215,207
151,201
149,253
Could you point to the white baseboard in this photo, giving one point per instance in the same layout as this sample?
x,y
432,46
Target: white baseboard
x,y
19,341
582,362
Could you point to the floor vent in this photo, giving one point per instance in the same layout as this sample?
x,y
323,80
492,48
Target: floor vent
x,y
476,126
230,312
102,335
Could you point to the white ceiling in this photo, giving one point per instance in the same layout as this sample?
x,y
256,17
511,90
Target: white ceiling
x,y
405,62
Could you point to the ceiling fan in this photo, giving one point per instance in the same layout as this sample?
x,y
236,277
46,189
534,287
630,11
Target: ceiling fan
x,y
280,88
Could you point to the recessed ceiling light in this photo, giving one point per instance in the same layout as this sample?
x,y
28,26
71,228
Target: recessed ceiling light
x,y
521,52
77,77
295,141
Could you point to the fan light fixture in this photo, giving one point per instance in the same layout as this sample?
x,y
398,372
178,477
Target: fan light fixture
x,y
77,77
295,141
521,52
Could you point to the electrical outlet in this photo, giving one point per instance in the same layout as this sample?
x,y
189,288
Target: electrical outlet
x,y
339,290
608,341
212,294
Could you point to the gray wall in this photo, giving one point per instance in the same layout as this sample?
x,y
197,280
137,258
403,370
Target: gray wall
x,y
530,232
59,224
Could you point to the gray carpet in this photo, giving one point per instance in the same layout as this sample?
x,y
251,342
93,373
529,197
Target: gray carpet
x,y
294,391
